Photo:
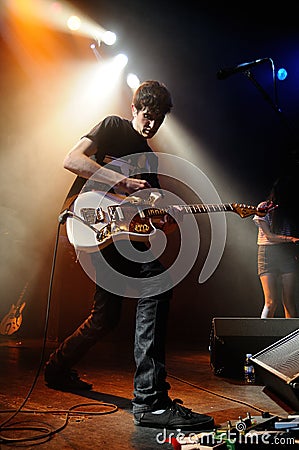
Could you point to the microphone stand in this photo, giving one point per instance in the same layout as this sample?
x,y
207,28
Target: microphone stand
x,y
269,100
278,111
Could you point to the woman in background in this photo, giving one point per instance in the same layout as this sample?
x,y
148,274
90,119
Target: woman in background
x,y
278,234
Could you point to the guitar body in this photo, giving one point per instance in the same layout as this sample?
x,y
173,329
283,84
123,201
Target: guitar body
x,y
99,210
13,320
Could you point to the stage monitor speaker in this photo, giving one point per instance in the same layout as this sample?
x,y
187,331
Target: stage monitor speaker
x,y
232,337
278,367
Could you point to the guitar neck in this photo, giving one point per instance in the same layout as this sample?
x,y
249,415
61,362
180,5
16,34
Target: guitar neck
x,y
190,209
20,299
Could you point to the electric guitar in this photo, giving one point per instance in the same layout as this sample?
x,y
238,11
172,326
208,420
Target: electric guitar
x,y
97,218
13,319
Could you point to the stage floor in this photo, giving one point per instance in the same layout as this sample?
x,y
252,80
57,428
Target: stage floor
x,y
102,418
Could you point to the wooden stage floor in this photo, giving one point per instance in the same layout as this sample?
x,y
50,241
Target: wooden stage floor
x,y
102,418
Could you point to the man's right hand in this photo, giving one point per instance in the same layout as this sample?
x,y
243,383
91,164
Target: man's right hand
x,y
131,185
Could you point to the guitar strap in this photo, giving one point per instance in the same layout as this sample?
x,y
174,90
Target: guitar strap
x,y
73,192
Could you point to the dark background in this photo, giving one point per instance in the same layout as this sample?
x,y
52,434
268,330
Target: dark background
x,y
248,139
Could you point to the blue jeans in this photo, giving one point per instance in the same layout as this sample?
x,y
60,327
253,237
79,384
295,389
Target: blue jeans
x,y
150,386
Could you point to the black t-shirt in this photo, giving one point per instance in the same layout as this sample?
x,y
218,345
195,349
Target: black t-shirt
x,y
121,148
124,149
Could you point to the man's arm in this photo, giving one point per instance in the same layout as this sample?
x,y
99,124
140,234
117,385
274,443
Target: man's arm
x,y
79,161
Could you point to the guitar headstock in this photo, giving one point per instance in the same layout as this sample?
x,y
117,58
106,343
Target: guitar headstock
x,y
248,210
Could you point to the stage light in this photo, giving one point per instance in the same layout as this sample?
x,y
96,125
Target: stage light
x,y
282,74
95,48
95,44
121,60
109,38
133,81
74,23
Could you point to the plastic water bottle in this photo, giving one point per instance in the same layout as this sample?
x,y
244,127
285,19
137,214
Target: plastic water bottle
x,y
249,373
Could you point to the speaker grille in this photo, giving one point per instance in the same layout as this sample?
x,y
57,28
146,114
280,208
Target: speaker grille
x,y
232,337
282,357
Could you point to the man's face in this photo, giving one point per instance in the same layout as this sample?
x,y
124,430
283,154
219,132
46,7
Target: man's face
x,y
146,122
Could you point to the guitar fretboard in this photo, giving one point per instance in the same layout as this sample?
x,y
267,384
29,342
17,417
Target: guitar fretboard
x,y
190,209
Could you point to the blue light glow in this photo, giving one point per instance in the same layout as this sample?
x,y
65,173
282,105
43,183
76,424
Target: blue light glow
x,y
282,74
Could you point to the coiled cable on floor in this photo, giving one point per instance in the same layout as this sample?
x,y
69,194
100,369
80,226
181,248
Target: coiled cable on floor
x,y
44,431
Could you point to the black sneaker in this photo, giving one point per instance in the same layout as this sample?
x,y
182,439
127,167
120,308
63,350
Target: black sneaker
x,y
174,417
64,379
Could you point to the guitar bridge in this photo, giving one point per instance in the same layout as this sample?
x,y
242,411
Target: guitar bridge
x,y
92,215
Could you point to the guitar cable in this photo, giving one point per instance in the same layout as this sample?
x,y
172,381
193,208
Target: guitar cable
x,y
46,433
225,397
62,218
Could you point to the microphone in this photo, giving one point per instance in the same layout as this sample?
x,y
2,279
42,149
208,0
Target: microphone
x,y
222,74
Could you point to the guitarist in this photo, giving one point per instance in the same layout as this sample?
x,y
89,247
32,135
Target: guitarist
x,y
132,167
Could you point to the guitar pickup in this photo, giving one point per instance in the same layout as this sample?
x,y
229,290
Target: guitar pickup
x,y
92,215
115,213
141,213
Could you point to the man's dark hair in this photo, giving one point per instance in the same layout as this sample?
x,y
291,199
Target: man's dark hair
x,y
154,96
